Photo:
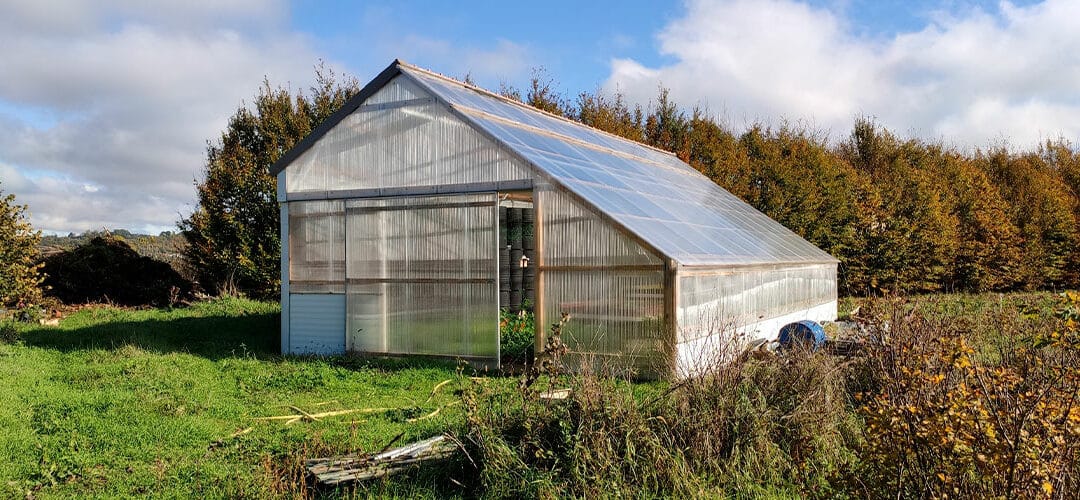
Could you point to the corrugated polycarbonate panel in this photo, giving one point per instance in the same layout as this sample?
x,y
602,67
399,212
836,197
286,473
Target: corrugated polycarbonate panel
x,y
416,143
683,214
616,317
422,276
656,196
611,286
458,94
722,301
317,247
398,89
576,236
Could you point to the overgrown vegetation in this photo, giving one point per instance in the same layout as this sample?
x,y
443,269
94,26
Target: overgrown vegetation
x,y
167,246
959,395
20,273
954,412
952,398
107,269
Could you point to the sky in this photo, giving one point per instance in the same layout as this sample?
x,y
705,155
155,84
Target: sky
x,y
106,107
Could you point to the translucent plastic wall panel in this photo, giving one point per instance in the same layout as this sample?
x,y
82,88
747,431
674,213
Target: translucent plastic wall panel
x,y
398,89
573,235
317,247
723,300
611,286
416,143
422,276
616,317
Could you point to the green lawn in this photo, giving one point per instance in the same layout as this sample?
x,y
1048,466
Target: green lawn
x,y
131,403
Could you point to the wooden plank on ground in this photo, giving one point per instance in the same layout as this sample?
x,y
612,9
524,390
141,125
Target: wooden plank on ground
x,y
338,470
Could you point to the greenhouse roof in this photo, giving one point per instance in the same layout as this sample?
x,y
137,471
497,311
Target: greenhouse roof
x,y
650,193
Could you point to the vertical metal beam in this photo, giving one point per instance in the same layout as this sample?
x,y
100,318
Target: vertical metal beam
x,y
495,299
671,322
540,320
384,302
283,209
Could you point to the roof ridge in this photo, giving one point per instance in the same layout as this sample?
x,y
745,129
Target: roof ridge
x,y
523,105
579,142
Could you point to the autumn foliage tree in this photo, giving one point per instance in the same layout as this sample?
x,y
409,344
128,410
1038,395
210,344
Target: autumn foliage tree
x,y
20,276
233,234
902,215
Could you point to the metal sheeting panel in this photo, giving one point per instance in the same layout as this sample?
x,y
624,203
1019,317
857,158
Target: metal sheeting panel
x,y
316,324
422,276
723,301
653,194
418,143
611,286
317,247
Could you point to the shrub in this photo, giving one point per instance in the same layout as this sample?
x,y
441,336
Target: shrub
x,y
20,276
944,420
106,269
9,333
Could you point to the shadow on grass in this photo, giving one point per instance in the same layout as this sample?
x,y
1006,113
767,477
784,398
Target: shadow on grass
x,y
213,337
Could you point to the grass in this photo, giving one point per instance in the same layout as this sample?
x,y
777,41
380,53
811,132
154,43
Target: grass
x,y
118,402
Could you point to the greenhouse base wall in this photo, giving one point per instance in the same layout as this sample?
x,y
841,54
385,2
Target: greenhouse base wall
x,y
694,356
317,324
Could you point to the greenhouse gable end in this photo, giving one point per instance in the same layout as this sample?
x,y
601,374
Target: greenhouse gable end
x,y
425,205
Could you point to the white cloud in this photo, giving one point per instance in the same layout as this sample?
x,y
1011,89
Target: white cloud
x,y
504,60
970,76
133,90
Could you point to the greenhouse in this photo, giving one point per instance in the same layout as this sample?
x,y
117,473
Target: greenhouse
x,y
425,206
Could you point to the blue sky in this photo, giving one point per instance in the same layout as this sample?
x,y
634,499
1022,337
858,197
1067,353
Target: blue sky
x,y
106,106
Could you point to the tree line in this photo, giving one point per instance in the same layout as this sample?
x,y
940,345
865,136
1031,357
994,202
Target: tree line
x,y
902,215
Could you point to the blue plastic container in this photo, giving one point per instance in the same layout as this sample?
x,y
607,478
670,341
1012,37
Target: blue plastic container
x,y
806,333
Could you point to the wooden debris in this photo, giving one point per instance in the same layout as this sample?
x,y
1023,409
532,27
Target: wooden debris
x,y
307,416
555,394
338,470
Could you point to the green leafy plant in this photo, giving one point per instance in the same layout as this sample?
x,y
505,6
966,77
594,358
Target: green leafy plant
x,y
517,332
20,273
233,233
